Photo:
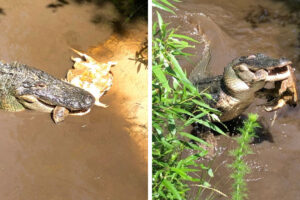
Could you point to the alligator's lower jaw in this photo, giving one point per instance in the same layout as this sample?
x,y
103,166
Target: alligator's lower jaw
x,y
59,113
33,103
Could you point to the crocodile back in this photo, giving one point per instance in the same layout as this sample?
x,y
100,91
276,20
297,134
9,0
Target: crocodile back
x,y
11,75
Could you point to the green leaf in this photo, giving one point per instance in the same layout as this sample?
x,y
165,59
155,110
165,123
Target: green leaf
x,y
161,77
171,125
154,27
184,37
190,136
161,6
168,3
183,111
204,105
210,173
182,172
208,96
211,126
171,188
178,70
206,184
176,84
160,20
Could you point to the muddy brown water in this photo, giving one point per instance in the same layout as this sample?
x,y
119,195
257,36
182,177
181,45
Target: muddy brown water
x,y
90,157
275,164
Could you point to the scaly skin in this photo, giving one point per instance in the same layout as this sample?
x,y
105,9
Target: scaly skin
x,y
243,78
24,87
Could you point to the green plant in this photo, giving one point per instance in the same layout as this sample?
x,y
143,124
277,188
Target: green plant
x,y
176,104
239,166
164,5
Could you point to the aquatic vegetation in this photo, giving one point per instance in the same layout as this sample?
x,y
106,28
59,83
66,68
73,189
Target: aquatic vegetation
x,y
239,166
173,96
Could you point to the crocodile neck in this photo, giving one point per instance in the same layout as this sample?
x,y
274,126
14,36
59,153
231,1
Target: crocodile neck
x,y
230,104
210,85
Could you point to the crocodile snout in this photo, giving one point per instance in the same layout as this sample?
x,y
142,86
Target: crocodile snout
x,y
84,103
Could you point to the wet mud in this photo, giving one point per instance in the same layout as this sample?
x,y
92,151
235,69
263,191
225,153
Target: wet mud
x,y
236,28
92,157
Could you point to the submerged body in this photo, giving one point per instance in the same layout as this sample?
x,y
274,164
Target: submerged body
x,y
24,87
243,80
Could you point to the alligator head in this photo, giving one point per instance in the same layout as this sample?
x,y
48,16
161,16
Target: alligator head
x,y
43,92
244,78
250,74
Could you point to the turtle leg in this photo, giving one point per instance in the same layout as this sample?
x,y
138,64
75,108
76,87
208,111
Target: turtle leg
x,y
280,104
59,114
